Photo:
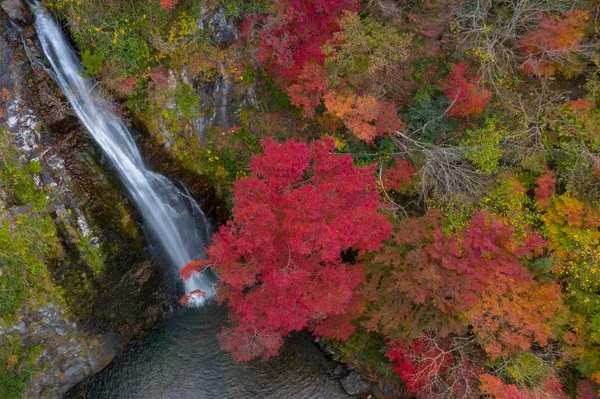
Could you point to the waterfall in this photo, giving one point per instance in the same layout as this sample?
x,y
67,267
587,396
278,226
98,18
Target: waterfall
x,y
172,216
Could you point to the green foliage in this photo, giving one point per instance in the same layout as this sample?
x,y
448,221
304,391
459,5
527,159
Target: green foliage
x,y
112,32
241,8
592,86
277,98
426,116
509,199
364,46
186,102
91,62
18,177
16,366
523,369
366,348
25,245
484,148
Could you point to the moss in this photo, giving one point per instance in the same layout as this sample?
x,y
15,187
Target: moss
x,y
17,364
18,177
91,254
26,244
127,222
366,349
186,102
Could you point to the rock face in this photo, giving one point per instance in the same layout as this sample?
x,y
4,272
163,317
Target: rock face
x,y
106,290
354,384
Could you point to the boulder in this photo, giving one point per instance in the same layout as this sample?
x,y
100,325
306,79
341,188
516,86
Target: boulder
x,y
354,384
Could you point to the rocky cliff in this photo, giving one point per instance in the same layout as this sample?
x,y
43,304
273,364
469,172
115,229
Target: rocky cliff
x,y
75,282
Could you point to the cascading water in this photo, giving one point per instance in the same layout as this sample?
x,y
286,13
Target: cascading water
x,y
167,211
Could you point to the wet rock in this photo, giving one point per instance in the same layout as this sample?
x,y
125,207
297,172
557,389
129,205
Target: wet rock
x,y
87,206
376,391
354,385
103,350
339,371
224,31
389,389
15,9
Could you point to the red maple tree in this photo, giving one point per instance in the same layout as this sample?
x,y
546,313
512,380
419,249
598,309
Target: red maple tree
x,y
295,35
312,84
280,257
426,280
468,98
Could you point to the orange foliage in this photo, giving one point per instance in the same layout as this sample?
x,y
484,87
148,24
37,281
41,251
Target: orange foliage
x,y
555,41
168,4
365,116
511,315
582,108
495,388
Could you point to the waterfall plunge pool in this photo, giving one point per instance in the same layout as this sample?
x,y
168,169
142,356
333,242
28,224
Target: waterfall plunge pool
x,y
181,359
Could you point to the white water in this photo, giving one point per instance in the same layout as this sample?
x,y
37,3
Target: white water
x,y
171,215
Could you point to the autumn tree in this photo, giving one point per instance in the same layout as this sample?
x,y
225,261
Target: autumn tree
x,y
572,228
168,4
280,257
364,115
555,45
398,176
307,92
295,34
494,388
512,315
364,47
463,90
427,280
438,367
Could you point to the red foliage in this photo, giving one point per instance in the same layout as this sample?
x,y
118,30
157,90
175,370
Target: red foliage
x,y
463,90
195,294
340,326
158,78
279,259
295,35
556,39
311,86
546,186
168,4
434,278
582,108
127,86
192,267
418,363
399,175
596,169
366,116
495,388
437,367
588,389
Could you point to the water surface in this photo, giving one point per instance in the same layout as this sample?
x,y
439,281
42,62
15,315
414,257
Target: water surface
x,y
181,359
